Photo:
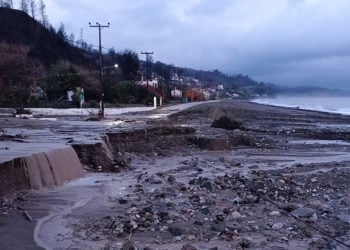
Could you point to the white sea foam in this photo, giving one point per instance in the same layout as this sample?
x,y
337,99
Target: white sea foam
x,y
339,105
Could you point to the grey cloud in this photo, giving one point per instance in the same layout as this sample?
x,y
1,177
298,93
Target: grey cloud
x,y
282,41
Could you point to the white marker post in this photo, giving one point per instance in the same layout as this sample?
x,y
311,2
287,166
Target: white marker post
x,y
155,102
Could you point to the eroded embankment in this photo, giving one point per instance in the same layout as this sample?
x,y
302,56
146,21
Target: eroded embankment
x,y
40,170
111,153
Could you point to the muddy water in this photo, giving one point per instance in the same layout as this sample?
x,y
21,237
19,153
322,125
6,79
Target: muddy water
x,y
38,170
88,196
52,168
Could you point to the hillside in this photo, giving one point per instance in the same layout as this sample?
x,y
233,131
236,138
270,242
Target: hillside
x,y
17,27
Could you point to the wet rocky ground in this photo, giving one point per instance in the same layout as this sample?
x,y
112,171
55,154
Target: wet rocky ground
x,y
279,180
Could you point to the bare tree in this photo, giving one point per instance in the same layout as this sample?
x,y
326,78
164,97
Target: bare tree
x,y
33,8
20,74
6,3
71,39
24,6
42,12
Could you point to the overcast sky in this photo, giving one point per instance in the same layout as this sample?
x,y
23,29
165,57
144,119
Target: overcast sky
x,y
287,42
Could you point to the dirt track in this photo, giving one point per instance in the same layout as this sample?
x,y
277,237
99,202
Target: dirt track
x,y
280,182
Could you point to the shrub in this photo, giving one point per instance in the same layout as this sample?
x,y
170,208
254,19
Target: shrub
x,y
226,123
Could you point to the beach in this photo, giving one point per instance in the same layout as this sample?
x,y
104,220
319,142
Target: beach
x,y
168,179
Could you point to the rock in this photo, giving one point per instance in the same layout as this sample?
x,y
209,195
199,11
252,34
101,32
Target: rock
x,y
204,210
254,167
313,218
220,227
256,186
246,243
191,237
208,185
235,215
277,226
188,247
122,201
163,215
233,226
222,159
340,195
171,179
275,213
153,180
219,217
176,231
345,201
326,197
198,223
313,180
291,206
251,199
303,212
146,210
321,243
128,245
237,200
344,218
226,210
321,207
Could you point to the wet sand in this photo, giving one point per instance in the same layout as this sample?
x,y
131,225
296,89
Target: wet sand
x,y
187,194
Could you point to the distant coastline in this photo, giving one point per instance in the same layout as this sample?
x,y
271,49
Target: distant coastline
x,y
334,104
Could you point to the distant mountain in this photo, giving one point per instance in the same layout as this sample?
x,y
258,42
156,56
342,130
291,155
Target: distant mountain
x,y
17,27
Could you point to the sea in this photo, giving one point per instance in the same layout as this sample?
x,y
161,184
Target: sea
x,y
340,105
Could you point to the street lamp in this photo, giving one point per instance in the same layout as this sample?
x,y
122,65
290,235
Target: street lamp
x,y
108,67
102,104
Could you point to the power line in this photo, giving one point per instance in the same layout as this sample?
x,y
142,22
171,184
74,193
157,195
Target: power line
x,y
100,26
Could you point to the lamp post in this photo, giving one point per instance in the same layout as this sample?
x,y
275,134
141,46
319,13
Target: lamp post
x,y
100,26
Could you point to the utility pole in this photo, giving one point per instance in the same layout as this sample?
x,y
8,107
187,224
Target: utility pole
x,y
101,112
147,70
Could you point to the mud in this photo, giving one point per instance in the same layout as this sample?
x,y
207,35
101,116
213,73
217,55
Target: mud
x,y
279,182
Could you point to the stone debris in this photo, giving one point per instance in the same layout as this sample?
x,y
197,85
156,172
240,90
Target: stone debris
x,y
200,211
200,187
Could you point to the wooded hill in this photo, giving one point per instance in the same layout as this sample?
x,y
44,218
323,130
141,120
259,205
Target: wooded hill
x,y
46,45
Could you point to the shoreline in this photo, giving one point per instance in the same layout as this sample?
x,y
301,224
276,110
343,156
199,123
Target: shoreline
x,y
200,181
308,103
